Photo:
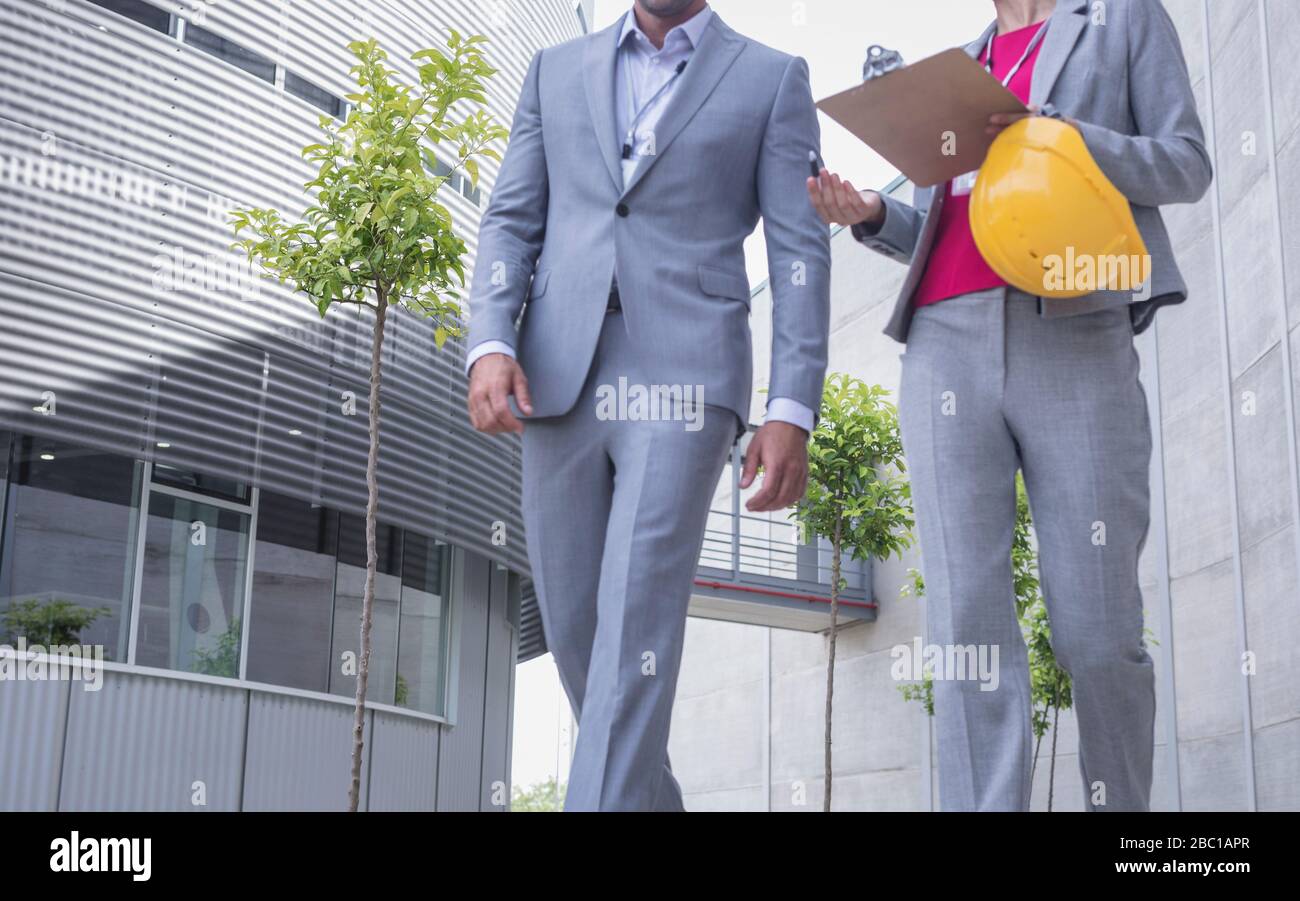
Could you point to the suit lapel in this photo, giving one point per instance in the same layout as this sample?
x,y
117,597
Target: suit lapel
x,y
974,50
716,52
1063,33
599,70
1067,24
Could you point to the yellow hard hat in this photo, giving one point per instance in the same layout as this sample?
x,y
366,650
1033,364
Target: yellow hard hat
x,y
1048,221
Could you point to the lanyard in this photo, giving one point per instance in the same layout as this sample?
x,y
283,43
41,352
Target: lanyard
x,y
630,141
1033,45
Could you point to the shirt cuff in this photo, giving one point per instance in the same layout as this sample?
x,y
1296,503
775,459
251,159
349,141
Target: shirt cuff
x,y
483,348
785,409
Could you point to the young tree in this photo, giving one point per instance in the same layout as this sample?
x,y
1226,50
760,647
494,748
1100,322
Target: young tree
x,y
541,797
857,497
375,236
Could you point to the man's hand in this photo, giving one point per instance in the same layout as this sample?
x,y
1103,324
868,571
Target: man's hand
x,y
781,449
492,380
839,203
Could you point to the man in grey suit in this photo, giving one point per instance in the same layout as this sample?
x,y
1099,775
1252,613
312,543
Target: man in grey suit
x,y
641,158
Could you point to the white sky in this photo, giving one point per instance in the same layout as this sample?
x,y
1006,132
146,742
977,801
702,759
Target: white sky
x,y
833,36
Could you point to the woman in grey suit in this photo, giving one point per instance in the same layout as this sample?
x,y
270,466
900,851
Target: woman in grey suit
x,y
995,380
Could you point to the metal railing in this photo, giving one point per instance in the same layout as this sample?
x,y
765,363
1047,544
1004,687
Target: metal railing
x,y
769,550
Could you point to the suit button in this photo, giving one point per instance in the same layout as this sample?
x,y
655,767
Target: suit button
x,y
622,210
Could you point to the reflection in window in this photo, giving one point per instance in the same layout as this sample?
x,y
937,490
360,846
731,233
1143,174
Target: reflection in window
x,y
293,591
192,586
146,14
349,590
422,639
240,57
321,99
66,546
201,483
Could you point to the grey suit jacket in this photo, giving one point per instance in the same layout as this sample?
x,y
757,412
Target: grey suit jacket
x,y
1126,83
732,146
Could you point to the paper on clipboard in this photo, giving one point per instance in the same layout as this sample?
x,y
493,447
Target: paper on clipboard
x,y
909,114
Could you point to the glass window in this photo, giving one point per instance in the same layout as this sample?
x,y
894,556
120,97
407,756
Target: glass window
x,y
349,590
422,634
293,593
441,169
192,586
240,57
67,546
212,486
318,97
146,14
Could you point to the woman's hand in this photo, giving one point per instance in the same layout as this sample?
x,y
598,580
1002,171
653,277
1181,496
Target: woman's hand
x,y
839,203
999,121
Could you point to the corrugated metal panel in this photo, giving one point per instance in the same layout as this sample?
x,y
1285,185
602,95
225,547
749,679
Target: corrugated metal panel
x,y
142,742
31,743
460,758
404,763
299,754
121,150
532,639
496,706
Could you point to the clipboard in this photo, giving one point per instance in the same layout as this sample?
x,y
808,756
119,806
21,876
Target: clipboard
x,y
907,115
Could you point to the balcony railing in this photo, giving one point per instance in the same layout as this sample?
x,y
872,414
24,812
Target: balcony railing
x,y
763,561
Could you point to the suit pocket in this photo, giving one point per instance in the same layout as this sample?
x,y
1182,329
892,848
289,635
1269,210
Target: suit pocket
x,y
541,280
721,283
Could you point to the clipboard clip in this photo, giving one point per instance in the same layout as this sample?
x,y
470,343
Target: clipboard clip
x,y
880,61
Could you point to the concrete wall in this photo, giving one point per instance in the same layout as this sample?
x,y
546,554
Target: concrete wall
x,y
1219,572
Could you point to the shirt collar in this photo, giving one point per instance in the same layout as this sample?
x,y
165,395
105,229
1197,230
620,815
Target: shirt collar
x,y
693,28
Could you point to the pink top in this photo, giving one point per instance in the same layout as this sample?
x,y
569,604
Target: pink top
x,y
955,266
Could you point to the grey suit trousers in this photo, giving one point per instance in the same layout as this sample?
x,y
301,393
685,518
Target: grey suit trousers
x,y
615,511
988,387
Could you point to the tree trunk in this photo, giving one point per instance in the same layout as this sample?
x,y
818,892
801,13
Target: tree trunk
x,y
372,555
1033,767
830,665
1051,773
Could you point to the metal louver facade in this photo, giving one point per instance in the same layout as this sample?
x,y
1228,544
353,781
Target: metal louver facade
x,y
126,322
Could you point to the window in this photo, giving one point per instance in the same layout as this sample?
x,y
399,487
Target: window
x,y
139,11
349,591
441,169
71,562
198,483
192,586
321,99
67,545
293,593
423,628
458,183
240,57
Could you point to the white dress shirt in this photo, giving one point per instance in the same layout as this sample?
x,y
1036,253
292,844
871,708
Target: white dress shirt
x,y
641,72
